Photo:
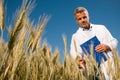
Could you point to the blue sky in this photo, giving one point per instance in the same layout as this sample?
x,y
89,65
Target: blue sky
x,y
62,20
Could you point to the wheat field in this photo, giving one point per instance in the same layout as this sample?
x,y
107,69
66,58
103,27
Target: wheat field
x,y
24,57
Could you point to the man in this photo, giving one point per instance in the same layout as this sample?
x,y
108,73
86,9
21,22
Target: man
x,y
90,34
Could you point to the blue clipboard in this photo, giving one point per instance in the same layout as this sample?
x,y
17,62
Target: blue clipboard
x,y
86,49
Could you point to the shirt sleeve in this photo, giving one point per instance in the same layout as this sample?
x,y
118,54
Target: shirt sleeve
x,y
75,49
110,40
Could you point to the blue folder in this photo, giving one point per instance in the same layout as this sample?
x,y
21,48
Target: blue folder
x,y
86,49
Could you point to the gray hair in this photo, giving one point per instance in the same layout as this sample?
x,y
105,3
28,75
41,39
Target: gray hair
x,y
80,10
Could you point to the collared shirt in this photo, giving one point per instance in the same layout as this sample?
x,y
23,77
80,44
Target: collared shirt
x,y
87,29
82,35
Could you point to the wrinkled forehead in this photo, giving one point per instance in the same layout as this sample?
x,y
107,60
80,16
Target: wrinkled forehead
x,y
81,15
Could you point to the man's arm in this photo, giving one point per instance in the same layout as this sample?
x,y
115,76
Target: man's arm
x,y
75,54
109,42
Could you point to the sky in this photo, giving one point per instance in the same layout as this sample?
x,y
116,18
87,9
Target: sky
x,y
62,21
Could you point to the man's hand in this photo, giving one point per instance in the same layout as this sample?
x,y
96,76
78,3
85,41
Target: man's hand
x,y
81,63
102,48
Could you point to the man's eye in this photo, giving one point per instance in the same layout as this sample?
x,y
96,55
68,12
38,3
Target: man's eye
x,y
84,17
79,18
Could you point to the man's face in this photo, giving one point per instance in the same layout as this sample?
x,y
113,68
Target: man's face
x,y
82,19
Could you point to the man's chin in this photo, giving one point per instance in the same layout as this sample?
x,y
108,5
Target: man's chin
x,y
84,27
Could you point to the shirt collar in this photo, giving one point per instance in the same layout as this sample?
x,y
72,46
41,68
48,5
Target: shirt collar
x,y
87,29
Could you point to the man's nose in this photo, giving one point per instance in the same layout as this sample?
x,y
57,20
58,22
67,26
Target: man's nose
x,y
83,21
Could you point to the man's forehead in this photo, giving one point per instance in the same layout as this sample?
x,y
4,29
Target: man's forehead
x,y
81,14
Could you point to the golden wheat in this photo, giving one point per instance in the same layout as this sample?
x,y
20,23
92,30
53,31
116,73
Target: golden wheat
x,y
32,60
2,15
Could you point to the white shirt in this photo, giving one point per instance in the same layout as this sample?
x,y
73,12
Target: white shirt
x,y
83,35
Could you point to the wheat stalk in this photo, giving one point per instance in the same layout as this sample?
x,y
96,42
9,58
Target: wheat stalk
x,y
41,63
2,16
